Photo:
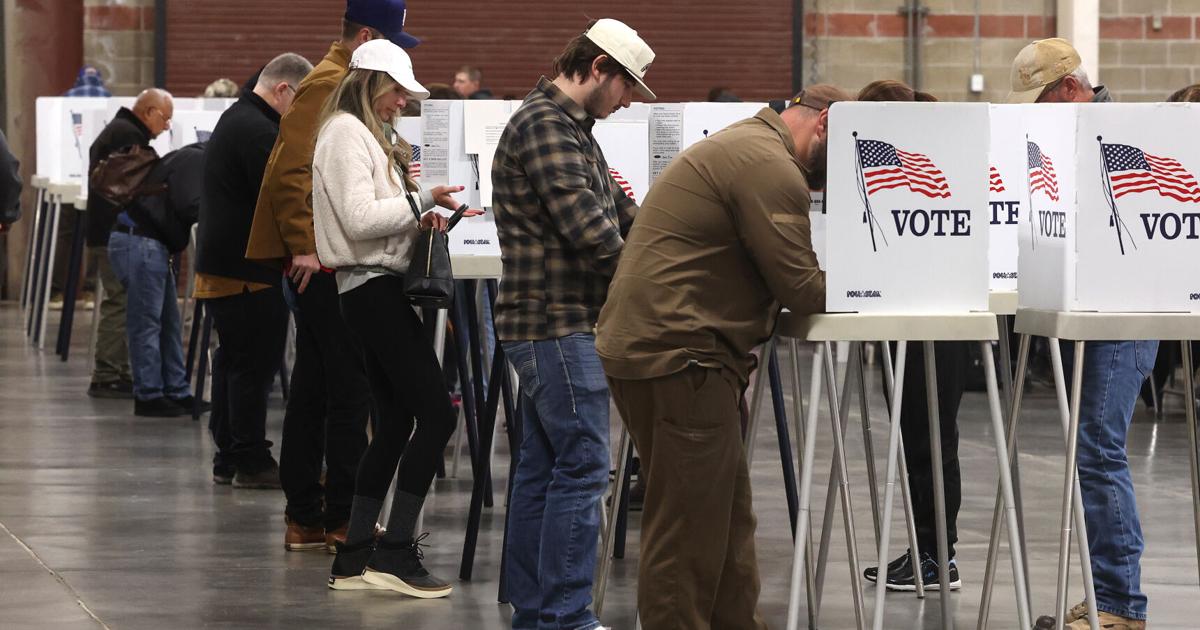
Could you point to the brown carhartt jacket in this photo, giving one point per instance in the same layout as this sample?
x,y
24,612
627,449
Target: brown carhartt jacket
x,y
283,223
721,242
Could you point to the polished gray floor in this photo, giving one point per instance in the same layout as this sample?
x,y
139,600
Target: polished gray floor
x,y
108,520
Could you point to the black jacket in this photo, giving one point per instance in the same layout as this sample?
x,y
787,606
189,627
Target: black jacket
x,y
125,130
10,184
169,216
234,163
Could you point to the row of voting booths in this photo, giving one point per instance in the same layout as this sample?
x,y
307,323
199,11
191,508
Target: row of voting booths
x,y
940,221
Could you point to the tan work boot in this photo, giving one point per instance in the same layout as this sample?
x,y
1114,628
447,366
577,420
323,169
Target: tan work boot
x,y
1077,612
1108,621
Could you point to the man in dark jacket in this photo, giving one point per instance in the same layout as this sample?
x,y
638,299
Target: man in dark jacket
x,y
146,234
10,186
244,297
150,116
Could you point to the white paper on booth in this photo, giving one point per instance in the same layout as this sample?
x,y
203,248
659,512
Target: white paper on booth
x,y
483,123
817,219
908,200
409,128
1006,188
1047,233
701,120
625,144
435,142
666,136
1138,219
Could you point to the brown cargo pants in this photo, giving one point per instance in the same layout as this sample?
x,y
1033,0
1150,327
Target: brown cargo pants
x,y
698,569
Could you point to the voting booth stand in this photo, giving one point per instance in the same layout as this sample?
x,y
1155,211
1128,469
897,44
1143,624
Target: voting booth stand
x,y
1105,250
905,197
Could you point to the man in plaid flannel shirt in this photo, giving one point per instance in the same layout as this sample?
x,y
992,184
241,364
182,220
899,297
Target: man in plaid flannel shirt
x,y
561,219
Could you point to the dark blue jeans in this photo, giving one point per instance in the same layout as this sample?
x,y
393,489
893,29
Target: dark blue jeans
x,y
554,514
1113,372
152,325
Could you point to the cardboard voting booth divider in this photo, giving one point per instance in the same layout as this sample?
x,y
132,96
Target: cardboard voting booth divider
x,y
817,220
62,148
1123,233
677,126
908,208
192,125
1007,198
444,161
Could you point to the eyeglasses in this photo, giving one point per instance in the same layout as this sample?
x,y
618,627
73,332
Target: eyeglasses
x,y
166,120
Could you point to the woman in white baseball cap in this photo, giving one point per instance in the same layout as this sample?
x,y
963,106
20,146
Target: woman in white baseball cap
x,y
365,208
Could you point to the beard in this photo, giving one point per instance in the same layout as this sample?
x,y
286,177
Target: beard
x,y
594,104
815,168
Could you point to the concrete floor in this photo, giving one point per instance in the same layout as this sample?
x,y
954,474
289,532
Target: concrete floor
x,y
111,520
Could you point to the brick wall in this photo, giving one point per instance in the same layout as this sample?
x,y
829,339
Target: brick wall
x,y
118,38
852,43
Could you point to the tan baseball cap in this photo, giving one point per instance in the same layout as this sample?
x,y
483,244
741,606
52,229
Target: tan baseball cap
x,y
626,48
1039,64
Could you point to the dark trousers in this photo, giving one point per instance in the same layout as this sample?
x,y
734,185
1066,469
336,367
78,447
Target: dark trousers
x,y
252,331
952,363
406,385
698,569
326,417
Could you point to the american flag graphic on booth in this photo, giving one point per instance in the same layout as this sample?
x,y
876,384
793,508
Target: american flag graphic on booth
x,y
1041,172
995,184
625,187
415,166
1131,170
883,166
77,124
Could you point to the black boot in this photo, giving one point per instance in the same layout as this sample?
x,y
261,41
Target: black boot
x,y
399,568
348,566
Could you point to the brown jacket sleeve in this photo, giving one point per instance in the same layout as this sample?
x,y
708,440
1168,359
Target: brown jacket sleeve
x,y
771,200
283,224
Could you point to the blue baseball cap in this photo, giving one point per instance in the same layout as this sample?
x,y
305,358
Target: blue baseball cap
x,y
385,16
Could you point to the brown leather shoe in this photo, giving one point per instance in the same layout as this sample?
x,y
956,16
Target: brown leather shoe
x,y
334,536
301,538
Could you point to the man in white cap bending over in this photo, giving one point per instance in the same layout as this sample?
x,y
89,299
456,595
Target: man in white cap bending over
x,y
561,220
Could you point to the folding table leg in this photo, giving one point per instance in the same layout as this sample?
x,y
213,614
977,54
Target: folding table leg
x,y
31,251
1190,407
610,531
843,478
1070,434
1006,486
939,488
1006,397
843,406
756,396
889,492
799,553
868,442
910,521
1014,414
781,432
801,440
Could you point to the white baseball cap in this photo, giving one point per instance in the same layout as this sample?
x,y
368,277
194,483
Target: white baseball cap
x,y
625,47
384,56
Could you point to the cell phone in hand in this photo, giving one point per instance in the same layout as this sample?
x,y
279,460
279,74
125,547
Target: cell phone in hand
x,y
458,214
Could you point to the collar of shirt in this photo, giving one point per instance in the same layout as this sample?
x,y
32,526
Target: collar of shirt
x,y
775,121
339,54
571,108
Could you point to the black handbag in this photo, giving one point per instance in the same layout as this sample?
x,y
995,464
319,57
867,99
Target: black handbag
x,y
429,282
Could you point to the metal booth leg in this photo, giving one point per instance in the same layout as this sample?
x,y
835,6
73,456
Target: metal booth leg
x,y
939,489
1190,407
1073,498
889,492
910,521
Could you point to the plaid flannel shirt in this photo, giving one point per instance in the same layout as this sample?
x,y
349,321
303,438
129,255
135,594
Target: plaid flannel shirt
x,y
560,216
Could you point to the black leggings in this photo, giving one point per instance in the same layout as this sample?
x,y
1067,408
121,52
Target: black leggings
x,y
406,382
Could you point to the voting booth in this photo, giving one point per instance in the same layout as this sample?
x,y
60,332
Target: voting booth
x,y
1007,199
907,202
1113,223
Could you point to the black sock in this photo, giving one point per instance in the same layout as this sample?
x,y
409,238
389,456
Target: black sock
x,y
406,508
364,512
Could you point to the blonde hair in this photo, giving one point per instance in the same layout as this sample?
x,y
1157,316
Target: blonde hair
x,y
356,95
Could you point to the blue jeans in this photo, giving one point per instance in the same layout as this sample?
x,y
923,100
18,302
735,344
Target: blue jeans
x,y
152,325
1113,372
562,471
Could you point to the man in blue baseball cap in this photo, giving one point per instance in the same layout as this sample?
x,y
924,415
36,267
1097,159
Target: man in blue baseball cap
x,y
385,16
327,411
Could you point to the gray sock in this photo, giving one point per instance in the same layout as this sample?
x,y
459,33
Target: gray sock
x,y
403,519
364,512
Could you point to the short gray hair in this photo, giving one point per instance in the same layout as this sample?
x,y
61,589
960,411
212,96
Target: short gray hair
x,y
287,68
1081,76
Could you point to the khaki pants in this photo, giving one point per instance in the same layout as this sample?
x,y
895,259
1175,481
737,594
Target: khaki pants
x,y
698,569
112,350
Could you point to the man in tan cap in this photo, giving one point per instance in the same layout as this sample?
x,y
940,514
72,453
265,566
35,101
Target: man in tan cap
x,y
721,243
1050,71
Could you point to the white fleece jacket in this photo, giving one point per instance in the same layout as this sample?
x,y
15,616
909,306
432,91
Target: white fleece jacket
x,y
360,214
